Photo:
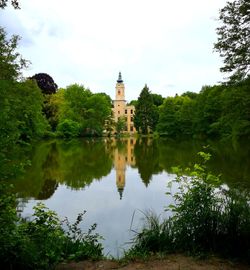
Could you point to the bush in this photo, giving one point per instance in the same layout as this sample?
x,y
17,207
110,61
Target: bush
x,y
42,242
68,128
206,218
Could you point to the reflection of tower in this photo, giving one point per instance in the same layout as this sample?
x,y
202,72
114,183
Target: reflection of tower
x,y
122,157
120,167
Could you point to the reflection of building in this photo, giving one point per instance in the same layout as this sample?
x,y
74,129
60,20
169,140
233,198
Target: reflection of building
x,y
122,157
121,109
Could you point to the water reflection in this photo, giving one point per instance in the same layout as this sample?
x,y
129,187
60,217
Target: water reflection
x,y
123,156
147,154
111,179
79,162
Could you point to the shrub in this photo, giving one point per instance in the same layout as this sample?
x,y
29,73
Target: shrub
x,y
206,218
69,128
42,242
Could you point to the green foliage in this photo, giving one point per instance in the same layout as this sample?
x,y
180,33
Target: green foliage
x,y
146,113
53,106
45,82
133,103
79,245
98,109
42,242
206,218
216,112
175,116
120,125
11,62
233,39
157,99
21,116
109,125
154,237
20,112
69,128
89,111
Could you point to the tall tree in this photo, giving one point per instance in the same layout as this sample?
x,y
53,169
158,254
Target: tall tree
x,y
234,39
11,61
146,114
45,83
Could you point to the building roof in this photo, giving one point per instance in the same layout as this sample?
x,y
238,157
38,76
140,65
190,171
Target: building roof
x,y
120,78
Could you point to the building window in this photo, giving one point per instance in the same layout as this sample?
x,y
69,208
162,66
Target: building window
x,y
118,112
131,118
131,128
126,111
119,92
131,111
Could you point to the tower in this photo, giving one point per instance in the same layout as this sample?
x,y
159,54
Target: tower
x,y
121,109
119,102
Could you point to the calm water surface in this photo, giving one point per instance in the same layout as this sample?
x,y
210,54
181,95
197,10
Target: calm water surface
x,y
115,180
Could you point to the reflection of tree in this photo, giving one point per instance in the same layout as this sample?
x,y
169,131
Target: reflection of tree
x,y
50,169
147,158
232,163
47,190
178,153
82,161
75,163
51,164
31,183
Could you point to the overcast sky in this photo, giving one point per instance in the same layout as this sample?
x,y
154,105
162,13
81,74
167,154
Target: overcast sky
x,y
167,45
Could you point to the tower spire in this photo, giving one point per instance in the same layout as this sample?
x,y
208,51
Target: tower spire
x,y
120,78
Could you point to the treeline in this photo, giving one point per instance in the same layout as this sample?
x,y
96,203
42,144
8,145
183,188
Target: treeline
x,y
34,107
76,111
220,111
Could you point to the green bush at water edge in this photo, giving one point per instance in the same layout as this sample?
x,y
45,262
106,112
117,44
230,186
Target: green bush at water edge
x,y
44,241
207,219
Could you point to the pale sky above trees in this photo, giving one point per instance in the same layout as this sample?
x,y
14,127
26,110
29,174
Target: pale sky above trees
x,y
166,44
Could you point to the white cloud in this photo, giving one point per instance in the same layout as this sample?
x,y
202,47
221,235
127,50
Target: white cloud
x,y
158,42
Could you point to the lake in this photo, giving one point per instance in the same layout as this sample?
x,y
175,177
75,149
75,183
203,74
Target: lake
x,y
117,180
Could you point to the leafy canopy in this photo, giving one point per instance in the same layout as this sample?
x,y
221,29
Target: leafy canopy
x,y
45,83
11,62
234,39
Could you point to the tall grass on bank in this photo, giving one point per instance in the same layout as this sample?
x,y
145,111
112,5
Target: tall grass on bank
x,y
44,241
207,218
